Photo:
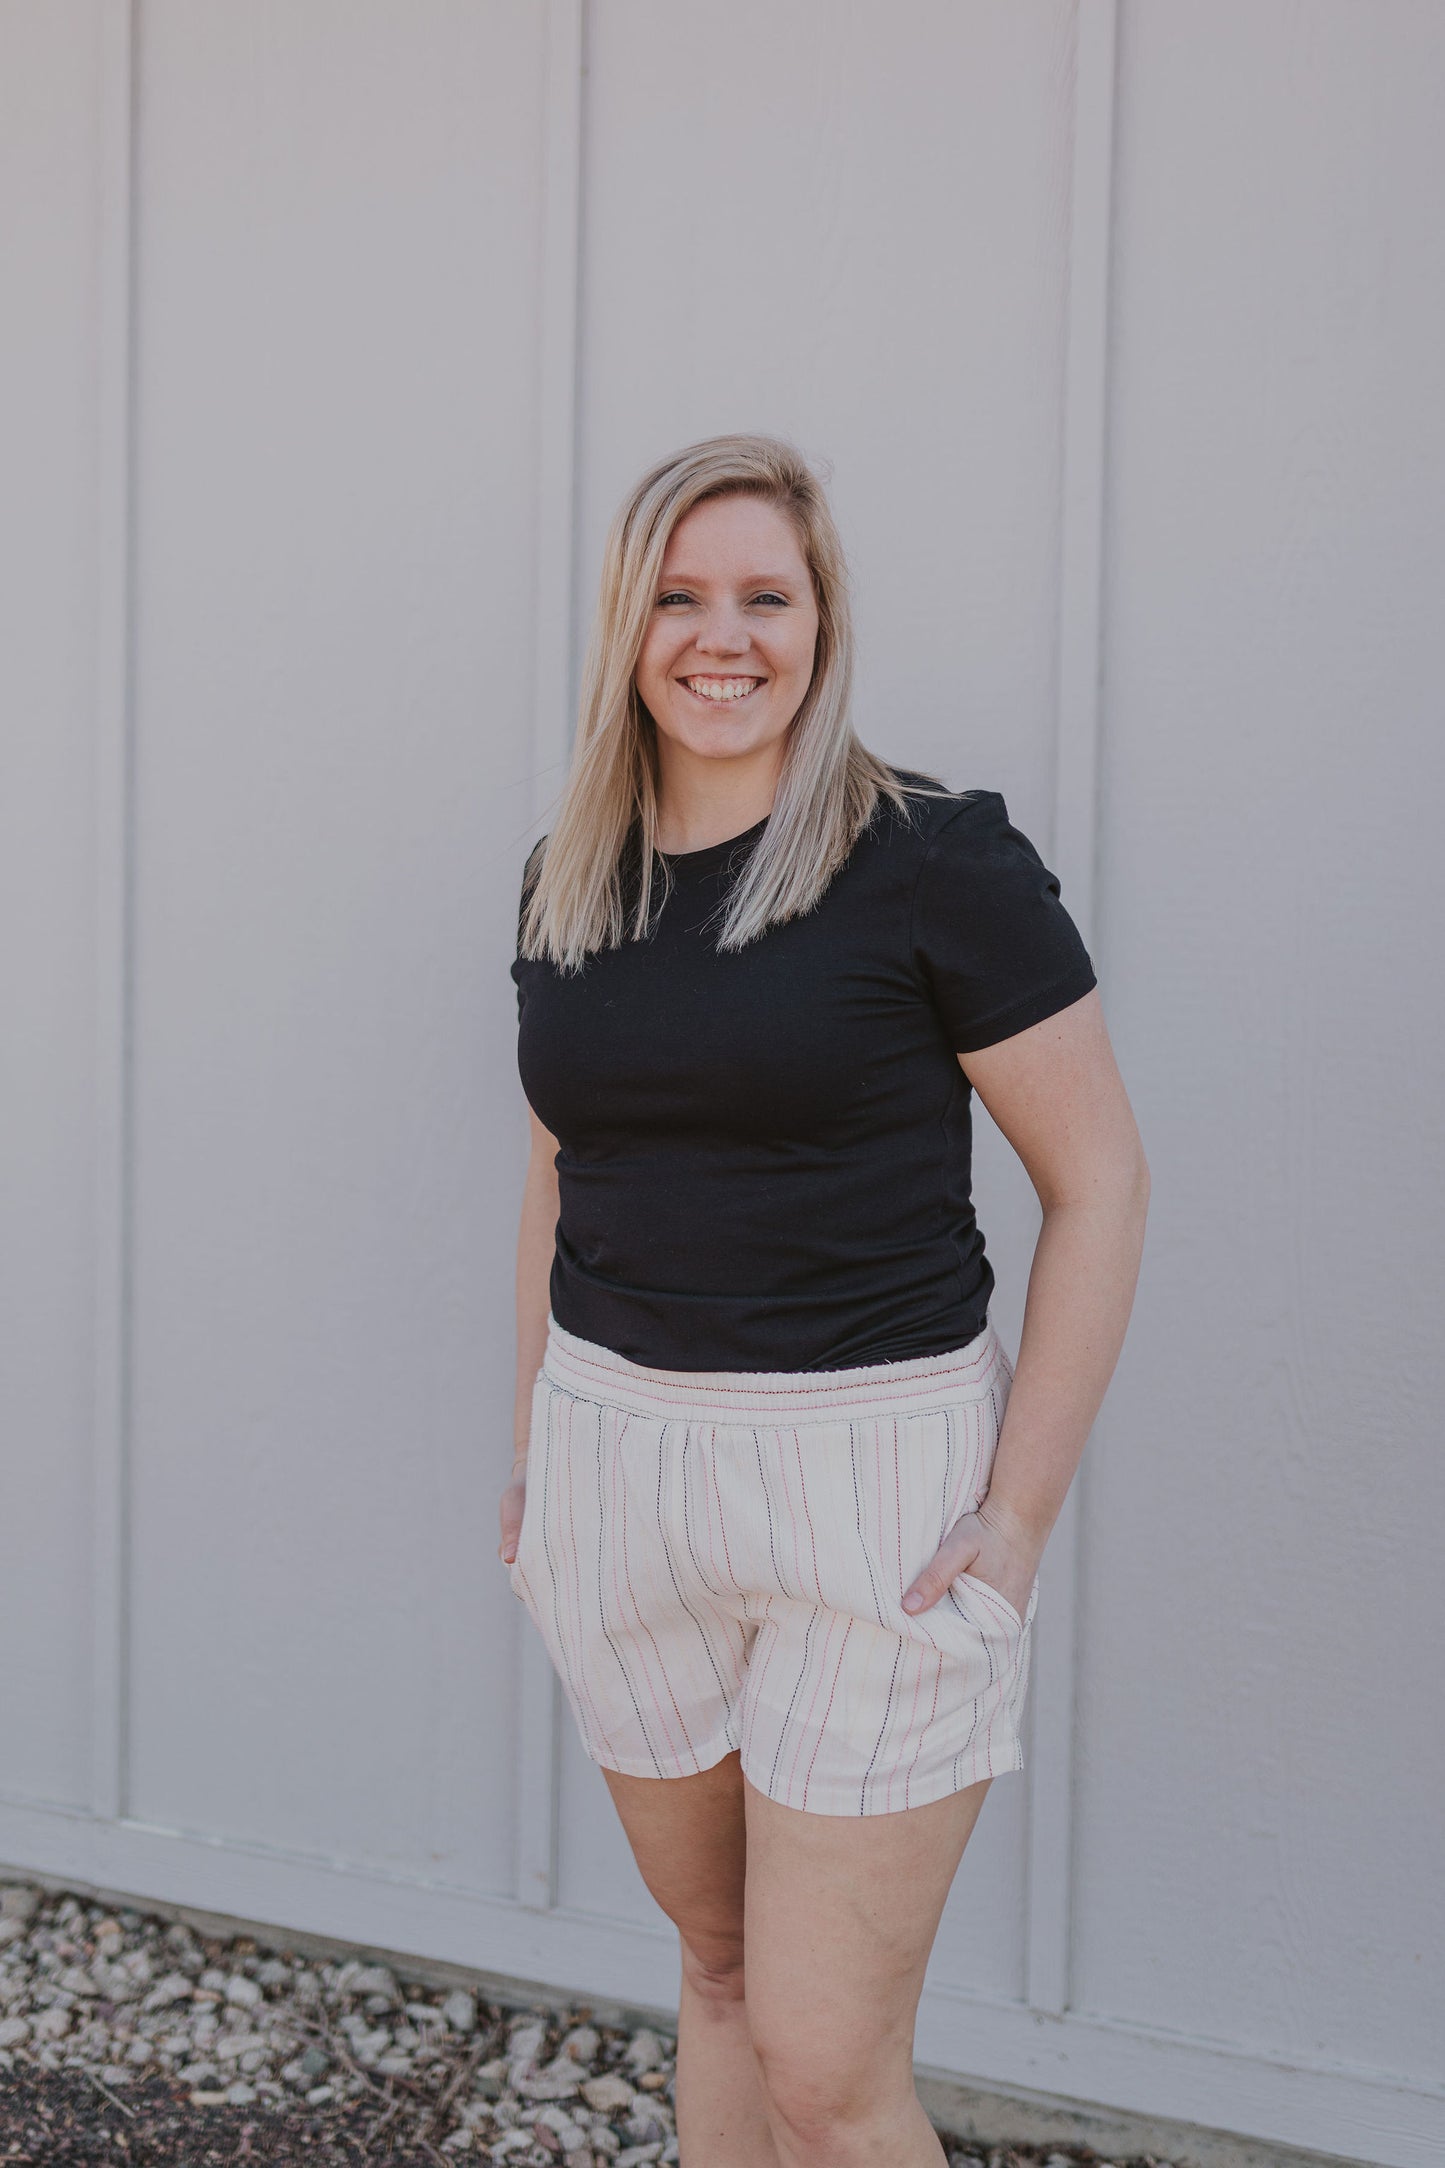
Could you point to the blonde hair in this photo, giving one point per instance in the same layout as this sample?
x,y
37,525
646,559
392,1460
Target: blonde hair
x,y
829,785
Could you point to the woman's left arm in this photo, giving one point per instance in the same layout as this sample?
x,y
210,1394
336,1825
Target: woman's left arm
x,y
1056,1093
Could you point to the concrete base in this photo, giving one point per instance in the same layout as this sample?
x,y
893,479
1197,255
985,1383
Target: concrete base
x,y
979,2118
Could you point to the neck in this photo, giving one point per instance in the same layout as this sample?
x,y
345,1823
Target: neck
x,y
702,802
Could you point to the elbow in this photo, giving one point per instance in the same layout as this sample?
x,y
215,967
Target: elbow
x,y
1142,1184
1139,1190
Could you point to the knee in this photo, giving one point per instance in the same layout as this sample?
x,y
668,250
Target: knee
x,y
830,2108
712,1967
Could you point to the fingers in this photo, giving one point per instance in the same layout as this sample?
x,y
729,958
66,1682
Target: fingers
x,y
513,1503
954,1555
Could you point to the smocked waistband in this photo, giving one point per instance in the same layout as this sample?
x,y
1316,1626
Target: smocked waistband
x,y
911,1386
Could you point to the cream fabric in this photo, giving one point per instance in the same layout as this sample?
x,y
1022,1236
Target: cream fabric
x,y
716,1560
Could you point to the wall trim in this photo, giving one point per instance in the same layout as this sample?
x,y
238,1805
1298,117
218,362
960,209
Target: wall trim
x,y
557,375
112,723
553,702
1054,1692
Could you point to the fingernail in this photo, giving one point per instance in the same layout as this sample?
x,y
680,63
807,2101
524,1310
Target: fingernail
x,y
913,1601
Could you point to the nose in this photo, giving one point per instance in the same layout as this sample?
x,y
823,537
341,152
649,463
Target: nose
x,y
725,633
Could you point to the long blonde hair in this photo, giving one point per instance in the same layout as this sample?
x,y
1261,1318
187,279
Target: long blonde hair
x,y
829,785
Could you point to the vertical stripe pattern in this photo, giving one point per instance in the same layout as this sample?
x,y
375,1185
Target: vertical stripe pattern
x,y
717,1560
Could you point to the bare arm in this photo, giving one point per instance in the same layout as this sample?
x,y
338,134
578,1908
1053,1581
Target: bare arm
x,y
536,1240
1056,1093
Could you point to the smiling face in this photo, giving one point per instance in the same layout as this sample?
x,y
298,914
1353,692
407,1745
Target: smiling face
x,y
728,654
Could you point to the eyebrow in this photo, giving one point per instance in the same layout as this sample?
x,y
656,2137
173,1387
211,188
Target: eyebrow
x,y
752,579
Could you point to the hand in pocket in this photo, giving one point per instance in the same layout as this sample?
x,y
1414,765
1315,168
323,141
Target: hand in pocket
x,y
513,1503
988,1550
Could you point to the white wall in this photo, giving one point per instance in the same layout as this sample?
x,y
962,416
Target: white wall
x,y
318,395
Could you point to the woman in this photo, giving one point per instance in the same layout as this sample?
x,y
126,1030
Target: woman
x,y
766,1511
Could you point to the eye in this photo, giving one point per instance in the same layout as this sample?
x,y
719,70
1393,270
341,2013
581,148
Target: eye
x,y
769,597
674,594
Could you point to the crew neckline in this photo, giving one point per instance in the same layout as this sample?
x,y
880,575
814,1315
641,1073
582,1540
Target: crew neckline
x,y
712,853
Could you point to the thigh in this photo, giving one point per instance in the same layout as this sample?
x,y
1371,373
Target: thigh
x,y
689,1838
841,1914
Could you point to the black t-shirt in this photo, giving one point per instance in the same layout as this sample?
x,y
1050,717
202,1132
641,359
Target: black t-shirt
x,y
764,1156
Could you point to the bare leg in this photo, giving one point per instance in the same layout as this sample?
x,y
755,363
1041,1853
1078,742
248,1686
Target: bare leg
x,y
841,1912
689,1838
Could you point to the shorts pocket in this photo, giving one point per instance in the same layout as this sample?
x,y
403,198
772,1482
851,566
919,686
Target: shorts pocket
x,y
996,1606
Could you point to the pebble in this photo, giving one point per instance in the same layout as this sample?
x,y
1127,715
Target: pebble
x,y
460,2012
645,2052
608,2094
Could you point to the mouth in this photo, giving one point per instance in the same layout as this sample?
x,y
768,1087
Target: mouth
x,y
722,692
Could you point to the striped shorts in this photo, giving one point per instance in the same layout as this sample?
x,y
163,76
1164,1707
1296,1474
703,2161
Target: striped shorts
x,y
716,1560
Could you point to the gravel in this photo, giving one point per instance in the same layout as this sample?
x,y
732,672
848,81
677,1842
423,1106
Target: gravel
x,y
125,2037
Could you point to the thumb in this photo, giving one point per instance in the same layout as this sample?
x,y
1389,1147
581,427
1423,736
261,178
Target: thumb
x,y
957,1551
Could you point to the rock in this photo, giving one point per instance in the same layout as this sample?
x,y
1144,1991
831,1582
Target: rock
x,y
19,1901
644,2051
208,2099
13,2030
525,2045
460,2012
230,2047
174,1988
198,2074
653,2081
11,1930
608,2094
318,2093
52,2024
633,2156
242,1990
315,2063
568,2136
582,2043
240,2094
371,1980
560,2078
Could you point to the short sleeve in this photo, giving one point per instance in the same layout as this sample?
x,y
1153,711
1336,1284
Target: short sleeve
x,y
991,940
529,874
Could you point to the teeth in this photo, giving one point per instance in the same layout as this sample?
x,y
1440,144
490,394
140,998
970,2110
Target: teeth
x,y
722,688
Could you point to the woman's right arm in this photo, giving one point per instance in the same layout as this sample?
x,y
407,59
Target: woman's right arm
x,y
536,1244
